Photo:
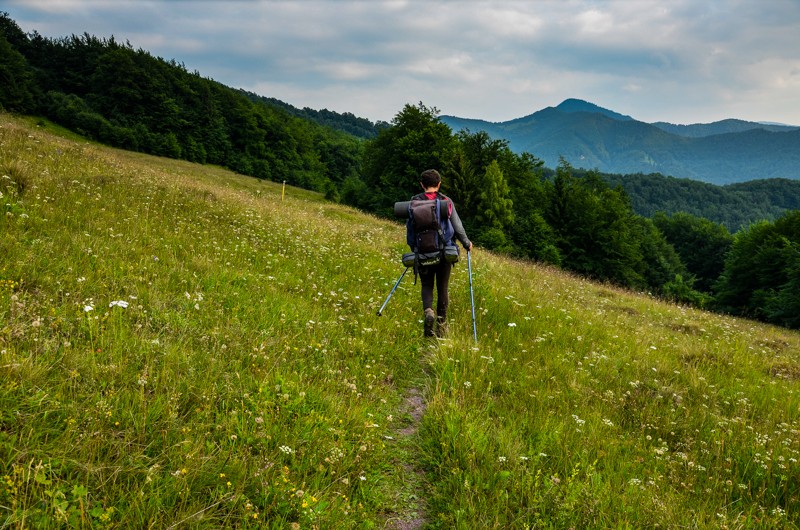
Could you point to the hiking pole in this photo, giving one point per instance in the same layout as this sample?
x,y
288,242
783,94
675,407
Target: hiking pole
x,y
471,297
393,289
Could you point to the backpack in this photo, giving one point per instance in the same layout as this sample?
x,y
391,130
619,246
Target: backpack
x,y
429,232
425,216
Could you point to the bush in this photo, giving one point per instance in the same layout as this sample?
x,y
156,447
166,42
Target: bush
x,y
682,291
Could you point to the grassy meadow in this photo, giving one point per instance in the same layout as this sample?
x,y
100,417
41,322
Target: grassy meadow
x,y
184,347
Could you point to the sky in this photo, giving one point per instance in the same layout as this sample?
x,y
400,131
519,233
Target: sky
x,y
679,61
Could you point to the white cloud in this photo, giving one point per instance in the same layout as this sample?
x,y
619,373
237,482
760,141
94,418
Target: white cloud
x,y
595,22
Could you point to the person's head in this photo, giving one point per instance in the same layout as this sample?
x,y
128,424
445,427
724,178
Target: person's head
x,y
430,178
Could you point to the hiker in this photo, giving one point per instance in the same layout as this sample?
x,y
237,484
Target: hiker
x,y
439,274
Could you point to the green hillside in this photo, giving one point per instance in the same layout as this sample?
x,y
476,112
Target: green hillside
x,y
736,206
185,347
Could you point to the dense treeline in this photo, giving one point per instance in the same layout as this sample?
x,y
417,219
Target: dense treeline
x,y
761,278
127,98
592,224
734,205
346,122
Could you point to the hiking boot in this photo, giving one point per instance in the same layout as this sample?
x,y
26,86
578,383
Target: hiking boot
x,y
441,327
430,318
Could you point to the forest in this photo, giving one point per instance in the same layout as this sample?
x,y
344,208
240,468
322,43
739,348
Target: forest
x,y
692,248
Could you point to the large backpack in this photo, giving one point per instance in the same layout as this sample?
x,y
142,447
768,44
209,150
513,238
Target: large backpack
x,y
429,231
425,215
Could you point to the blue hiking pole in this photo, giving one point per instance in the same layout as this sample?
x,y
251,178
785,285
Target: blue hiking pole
x,y
393,290
471,297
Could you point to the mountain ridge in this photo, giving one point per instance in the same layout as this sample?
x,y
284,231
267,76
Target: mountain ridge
x,y
588,136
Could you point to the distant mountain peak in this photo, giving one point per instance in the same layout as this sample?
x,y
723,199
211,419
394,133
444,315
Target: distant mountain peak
x,y
579,105
590,137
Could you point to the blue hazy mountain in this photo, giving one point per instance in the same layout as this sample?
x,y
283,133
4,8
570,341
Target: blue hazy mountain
x,y
591,137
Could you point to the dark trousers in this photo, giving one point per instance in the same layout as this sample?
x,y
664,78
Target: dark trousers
x,y
439,275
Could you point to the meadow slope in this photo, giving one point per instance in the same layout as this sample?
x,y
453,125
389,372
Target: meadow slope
x,y
184,347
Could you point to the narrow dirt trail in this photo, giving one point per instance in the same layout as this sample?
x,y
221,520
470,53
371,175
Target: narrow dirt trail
x,y
411,512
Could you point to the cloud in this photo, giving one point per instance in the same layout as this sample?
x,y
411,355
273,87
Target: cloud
x,y
677,61
595,22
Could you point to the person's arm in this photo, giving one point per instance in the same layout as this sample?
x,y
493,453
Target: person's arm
x,y
459,229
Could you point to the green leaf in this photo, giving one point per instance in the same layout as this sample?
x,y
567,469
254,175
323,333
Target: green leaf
x,y
79,492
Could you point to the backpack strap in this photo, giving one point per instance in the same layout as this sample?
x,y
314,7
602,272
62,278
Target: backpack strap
x,y
439,223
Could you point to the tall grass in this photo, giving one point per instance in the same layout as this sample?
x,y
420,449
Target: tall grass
x,y
180,348
590,407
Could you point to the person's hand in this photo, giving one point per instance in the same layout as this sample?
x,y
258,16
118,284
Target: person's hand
x,y
469,248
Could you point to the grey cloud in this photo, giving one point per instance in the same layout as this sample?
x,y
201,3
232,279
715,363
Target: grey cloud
x,y
678,61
